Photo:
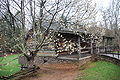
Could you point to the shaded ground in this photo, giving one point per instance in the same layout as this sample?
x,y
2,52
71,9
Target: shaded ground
x,y
58,71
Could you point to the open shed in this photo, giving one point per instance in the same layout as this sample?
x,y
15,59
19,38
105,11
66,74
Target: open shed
x,y
68,42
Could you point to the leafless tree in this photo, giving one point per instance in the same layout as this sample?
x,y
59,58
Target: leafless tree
x,y
111,19
22,14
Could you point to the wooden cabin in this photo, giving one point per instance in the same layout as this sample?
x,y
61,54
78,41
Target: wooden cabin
x,y
66,41
69,42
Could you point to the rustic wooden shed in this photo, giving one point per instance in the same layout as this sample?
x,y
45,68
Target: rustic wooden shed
x,y
72,41
68,40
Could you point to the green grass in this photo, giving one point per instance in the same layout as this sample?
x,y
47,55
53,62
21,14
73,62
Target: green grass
x,y
100,70
10,68
116,51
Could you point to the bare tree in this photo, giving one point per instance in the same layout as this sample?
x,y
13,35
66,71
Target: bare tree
x,y
111,19
19,38
36,13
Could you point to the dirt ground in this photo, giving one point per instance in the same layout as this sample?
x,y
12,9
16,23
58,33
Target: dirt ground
x,y
56,71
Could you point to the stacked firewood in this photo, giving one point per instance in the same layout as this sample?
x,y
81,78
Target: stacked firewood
x,y
65,45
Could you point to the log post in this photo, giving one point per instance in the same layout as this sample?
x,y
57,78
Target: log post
x,y
79,49
98,50
91,46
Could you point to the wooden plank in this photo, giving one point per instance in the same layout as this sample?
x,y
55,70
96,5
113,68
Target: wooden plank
x,y
86,48
84,51
66,58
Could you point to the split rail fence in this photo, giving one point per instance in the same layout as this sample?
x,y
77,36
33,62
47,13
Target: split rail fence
x,y
112,51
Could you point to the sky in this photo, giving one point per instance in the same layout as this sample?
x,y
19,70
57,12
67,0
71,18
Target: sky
x,y
101,5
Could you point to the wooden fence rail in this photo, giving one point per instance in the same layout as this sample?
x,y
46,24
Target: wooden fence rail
x,y
112,51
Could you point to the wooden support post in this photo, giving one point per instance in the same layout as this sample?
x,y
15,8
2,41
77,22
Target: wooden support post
x,y
98,50
104,45
105,49
118,53
91,46
79,48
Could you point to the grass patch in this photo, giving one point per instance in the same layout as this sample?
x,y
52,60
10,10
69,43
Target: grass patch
x,y
100,70
116,51
10,68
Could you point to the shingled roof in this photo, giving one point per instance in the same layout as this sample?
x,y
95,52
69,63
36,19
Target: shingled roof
x,y
58,27
100,31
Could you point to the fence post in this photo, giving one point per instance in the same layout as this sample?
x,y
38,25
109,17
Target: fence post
x,y
112,52
118,54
